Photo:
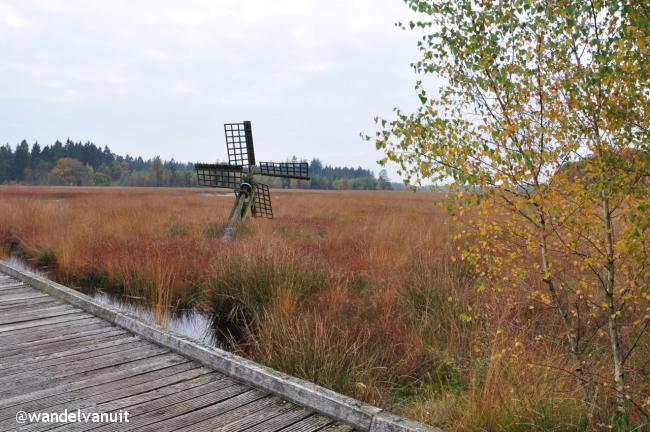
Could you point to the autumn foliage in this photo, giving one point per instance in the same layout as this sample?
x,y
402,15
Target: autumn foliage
x,y
542,129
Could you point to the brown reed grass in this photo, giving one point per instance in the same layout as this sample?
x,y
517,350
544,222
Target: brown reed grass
x,y
356,291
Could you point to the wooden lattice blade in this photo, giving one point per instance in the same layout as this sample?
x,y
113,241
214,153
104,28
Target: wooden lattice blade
x,y
295,170
263,206
219,175
239,143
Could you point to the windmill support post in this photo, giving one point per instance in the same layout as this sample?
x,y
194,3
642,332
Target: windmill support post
x,y
241,210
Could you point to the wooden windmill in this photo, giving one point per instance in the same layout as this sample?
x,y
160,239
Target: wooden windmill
x,y
251,197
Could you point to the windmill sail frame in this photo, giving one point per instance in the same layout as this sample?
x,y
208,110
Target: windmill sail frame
x,y
251,197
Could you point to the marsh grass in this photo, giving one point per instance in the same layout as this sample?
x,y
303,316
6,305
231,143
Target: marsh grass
x,y
237,290
361,292
44,257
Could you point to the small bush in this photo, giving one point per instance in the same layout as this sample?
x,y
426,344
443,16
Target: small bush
x,y
45,257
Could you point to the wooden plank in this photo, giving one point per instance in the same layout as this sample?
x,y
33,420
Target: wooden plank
x,y
222,401
12,292
14,309
310,424
9,281
139,398
33,309
8,371
11,285
66,327
337,427
154,411
49,312
97,395
127,370
50,359
46,312
15,303
16,286
32,352
105,392
45,321
70,379
209,382
19,298
143,350
221,387
22,297
63,343
30,303
239,418
27,304
31,318
80,334
276,423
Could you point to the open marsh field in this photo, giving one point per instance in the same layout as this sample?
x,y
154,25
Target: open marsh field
x,y
361,292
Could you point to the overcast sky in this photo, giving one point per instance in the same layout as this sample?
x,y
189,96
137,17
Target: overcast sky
x,y
151,77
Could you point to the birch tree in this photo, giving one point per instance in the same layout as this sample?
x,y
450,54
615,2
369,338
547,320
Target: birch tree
x,y
543,121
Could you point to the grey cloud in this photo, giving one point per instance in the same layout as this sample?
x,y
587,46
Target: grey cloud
x,y
159,77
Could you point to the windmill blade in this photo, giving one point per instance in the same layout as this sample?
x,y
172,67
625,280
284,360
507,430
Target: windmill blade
x,y
296,170
262,201
239,142
219,175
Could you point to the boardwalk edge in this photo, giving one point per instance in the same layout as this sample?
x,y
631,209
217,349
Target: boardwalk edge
x,y
343,408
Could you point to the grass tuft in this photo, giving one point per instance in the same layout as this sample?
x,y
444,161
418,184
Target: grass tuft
x,y
44,257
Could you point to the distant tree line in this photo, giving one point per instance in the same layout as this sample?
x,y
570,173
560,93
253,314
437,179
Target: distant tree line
x,y
86,164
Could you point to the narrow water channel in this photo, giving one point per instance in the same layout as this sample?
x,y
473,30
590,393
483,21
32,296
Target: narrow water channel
x,y
194,324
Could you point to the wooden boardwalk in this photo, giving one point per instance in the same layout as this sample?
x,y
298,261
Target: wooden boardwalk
x,y
56,357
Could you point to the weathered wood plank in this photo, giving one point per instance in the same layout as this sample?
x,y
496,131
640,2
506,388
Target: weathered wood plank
x,y
63,344
276,423
337,427
77,338
44,321
138,351
140,398
17,291
223,401
125,370
105,392
11,285
27,304
46,312
241,417
310,424
65,327
152,412
16,286
33,363
30,304
249,416
22,297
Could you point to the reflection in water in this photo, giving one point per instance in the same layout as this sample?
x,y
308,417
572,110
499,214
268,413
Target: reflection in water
x,y
188,322
192,323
